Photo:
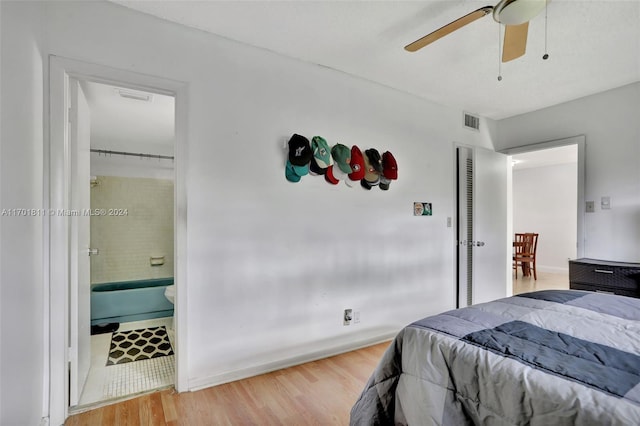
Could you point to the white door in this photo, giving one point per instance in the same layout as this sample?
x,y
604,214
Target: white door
x,y
79,285
490,253
483,259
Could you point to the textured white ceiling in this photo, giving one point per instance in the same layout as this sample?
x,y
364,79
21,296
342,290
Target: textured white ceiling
x,y
593,46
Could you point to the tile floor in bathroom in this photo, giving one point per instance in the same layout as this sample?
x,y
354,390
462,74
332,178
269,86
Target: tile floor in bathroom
x,y
116,381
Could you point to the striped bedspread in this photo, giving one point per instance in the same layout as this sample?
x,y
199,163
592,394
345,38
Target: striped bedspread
x,y
555,357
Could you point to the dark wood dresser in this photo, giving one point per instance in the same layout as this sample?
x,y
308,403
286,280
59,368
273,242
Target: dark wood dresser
x,y
605,276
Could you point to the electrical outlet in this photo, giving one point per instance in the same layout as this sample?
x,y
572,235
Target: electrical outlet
x,y
356,317
590,207
348,316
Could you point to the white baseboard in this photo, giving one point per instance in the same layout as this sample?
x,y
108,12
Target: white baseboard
x,y
44,421
553,269
255,370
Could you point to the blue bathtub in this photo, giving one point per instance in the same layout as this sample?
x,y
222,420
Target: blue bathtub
x,y
126,301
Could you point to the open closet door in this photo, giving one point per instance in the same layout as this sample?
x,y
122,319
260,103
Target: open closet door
x,y
482,239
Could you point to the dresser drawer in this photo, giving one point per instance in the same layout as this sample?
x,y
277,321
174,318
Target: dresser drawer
x,y
602,275
601,289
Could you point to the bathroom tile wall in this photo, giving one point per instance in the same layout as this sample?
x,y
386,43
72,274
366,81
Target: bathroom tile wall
x,y
132,220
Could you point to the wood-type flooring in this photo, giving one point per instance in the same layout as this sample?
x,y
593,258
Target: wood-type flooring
x,y
316,393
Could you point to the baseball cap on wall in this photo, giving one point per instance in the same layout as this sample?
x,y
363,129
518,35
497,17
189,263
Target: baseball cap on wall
x,y
334,175
321,159
384,183
357,164
299,150
389,166
371,177
300,170
366,184
342,156
290,173
374,159
329,177
370,172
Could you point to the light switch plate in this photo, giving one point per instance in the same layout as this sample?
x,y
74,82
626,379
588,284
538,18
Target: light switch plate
x,y
590,208
605,203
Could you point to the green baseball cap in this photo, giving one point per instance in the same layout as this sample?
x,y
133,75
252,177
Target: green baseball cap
x,y
321,152
342,156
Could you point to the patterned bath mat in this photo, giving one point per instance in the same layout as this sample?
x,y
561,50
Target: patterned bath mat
x,y
136,345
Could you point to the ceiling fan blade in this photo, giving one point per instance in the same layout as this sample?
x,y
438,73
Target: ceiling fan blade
x,y
448,29
515,41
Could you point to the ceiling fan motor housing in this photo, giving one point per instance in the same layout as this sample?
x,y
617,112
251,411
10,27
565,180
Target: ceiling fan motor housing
x,y
516,12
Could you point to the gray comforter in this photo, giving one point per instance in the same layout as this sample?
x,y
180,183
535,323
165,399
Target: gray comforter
x,y
545,358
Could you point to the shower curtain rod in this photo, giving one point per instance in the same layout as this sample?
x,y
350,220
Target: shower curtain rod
x,y
132,154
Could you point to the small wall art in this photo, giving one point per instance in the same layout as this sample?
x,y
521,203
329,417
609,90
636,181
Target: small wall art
x,y
421,209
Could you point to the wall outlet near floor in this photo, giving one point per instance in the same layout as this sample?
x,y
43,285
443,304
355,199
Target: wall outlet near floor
x,y
347,317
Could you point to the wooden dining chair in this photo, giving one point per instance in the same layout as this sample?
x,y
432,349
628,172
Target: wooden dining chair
x,y
525,246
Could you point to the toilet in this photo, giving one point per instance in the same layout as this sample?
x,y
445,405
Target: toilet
x,y
170,294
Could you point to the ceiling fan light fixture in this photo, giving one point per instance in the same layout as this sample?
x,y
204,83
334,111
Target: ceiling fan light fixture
x,y
513,14
516,12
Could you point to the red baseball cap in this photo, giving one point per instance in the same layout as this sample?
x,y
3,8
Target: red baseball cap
x,y
389,166
329,177
357,164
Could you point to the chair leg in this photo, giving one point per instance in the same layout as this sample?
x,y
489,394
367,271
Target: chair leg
x,y
535,275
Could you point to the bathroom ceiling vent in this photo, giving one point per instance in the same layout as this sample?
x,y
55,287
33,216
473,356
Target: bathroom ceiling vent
x,y
471,121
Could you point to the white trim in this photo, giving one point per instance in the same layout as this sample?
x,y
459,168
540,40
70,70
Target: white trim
x,y
46,283
57,193
552,269
580,142
243,373
180,237
57,242
509,236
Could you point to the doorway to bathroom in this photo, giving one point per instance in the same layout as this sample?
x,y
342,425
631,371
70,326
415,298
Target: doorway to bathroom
x,y
116,233
131,239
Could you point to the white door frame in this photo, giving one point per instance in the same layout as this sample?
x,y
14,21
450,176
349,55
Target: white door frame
x,y
79,262
579,141
57,192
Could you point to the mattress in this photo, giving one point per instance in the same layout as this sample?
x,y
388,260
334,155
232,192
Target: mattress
x,y
555,357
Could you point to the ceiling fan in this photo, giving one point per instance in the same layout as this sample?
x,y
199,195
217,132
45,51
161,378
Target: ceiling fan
x,y
514,14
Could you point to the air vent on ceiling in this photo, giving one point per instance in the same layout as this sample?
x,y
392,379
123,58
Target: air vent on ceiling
x,y
471,121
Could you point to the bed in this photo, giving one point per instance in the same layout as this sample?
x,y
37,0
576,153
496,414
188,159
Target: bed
x,y
554,357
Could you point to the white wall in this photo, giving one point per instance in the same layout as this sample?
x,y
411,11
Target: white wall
x,y
611,127
544,201
22,292
271,264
